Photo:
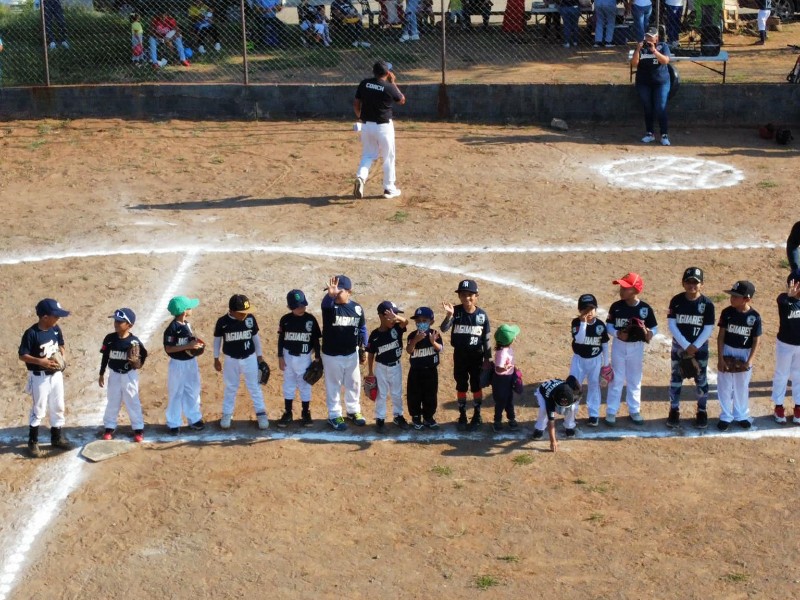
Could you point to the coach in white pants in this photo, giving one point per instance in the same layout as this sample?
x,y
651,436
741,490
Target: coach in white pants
x,y
342,372
373,108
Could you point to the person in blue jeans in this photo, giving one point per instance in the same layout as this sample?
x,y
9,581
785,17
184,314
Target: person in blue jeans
x,y
650,59
411,28
640,10
55,24
605,12
674,13
570,12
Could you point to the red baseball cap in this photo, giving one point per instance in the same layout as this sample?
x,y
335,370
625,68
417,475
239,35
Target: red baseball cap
x,y
633,280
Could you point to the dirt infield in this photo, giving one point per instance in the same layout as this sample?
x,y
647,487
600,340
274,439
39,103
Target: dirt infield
x,y
102,214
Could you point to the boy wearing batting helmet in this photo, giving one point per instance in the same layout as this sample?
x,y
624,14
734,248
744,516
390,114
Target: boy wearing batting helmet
x,y
557,396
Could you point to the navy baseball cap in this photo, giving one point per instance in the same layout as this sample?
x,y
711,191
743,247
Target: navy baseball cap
x,y
695,273
586,301
50,307
381,68
423,312
742,288
238,303
467,285
344,282
388,305
124,315
296,299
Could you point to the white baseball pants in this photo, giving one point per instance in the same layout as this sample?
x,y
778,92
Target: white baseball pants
x,y
342,371
588,369
183,390
733,389
627,359
569,414
293,376
123,388
377,140
390,383
47,392
761,19
787,366
232,371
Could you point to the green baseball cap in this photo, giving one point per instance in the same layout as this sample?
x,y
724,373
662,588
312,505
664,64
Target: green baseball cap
x,y
180,304
506,334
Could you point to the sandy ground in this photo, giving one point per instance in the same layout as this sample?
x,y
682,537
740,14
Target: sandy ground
x,y
299,515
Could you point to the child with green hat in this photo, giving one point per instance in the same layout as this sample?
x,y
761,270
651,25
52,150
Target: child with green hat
x,y
503,379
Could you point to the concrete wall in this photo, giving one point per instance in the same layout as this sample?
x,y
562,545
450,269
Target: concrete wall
x,y
697,104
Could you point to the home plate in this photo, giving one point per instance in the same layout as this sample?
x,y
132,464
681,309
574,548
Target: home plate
x,y
105,449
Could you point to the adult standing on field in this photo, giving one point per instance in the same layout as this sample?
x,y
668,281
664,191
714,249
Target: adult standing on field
x,y
373,108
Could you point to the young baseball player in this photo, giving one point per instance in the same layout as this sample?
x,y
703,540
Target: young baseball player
x,y
137,40
424,346
298,338
627,357
503,378
787,350
123,381
344,334
739,336
236,336
691,323
385,347
183,372
40,342
471,341
557,395
590,348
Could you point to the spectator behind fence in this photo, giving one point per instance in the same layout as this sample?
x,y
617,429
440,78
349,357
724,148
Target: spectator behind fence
x,y
411,28
271,25
651,58
202,19
707,13
764,10
137,40
514,16
164,30
674,16
313,23
55,24
457,15
605,12
640,10
570,11
348,20
391,13
478,7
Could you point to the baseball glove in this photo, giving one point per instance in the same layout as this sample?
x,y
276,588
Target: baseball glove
x,y
263,373
197,351
606,375
734,365
135,359
313,373
519,384
637,332
59,358
371,387
689,366
487,374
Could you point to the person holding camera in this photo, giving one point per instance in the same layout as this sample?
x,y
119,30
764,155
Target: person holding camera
x,y
650,59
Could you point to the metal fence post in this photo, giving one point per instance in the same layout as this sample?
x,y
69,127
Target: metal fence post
x,y
44,45
443,101
244,44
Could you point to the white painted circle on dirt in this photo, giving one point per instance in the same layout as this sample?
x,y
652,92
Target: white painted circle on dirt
x,y
670,173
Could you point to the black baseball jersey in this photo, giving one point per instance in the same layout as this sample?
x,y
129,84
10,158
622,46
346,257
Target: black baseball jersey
x,y
740,327
298,335
470,332
596,336
342,327
424,355
387,346
40,344
237,336
115,352
691,316
178,334
650,71
789,314
548,391
376,97
620,314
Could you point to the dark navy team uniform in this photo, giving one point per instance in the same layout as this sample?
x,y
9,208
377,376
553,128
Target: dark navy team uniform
x,y
387,346
620,314
178,334
549,390
40,344
740,327
650,71
376,97
343,327
423,379
789,315
471,340
793,247
298,335
691,319
237,336
596,336
115,353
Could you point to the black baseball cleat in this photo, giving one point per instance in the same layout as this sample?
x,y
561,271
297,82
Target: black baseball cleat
x,y
416,423
380,425
723,425
701,419
745,423
286,419
569,432
674,418
400,421
475,422
462,422
33,450
57,439
305,419
197,425
538,434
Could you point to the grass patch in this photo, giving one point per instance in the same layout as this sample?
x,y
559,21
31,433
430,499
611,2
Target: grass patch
x,y
719,298
601,488
509,558
783,263
484,582
442,470
217,160
37,144
767,184
522,459
737,577
399,217
580,481
595,517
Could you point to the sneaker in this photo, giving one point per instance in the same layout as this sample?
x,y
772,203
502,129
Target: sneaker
x,y
400,421
358,188
462,421
611,420
33,450
356,44
201,49
177,430
380,425
744,424
414,38
609,45
665,140
780,414
596,45
52,46
162,63
217,47
701,419
513,425
416,423
497,426
263,421
305,419
285,420
475,422
566,45
405,37
225,421
366,45
538,434
338,424
648,137
594,421
723,425
637,418
674,418
357,418
431,424
108,434
185,63
65,45
796,417
197,425
138,436
388,194
570,433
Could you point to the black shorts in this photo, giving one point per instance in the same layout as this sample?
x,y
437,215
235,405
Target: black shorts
x,y
467,370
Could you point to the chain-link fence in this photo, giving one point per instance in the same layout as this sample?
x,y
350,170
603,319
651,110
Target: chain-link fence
x,y
308,41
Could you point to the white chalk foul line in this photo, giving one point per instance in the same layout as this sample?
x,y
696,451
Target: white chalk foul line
x,y
57,478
